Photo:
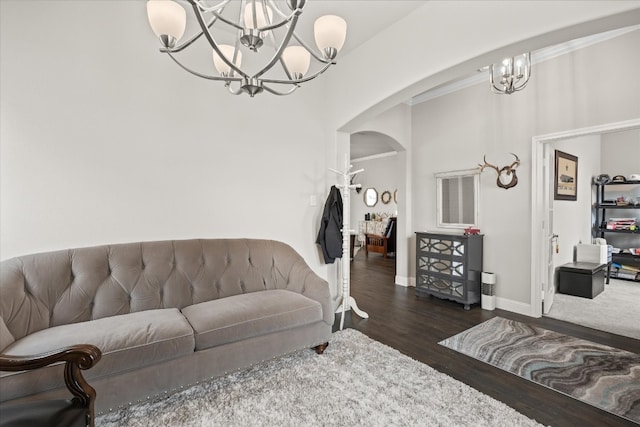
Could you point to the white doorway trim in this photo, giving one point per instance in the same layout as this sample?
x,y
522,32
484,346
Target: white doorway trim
x,y
538,203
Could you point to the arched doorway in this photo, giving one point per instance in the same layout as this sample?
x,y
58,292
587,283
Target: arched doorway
x,y
384,160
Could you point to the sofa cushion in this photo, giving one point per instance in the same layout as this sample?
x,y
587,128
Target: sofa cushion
x,y
127,341
245,316
5,336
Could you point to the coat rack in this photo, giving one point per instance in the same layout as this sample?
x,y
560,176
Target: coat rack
x,y
348,302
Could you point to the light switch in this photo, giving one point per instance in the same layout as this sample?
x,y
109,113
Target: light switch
x,y
313,200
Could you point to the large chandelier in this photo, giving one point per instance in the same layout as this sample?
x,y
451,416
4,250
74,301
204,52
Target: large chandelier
x,y
255,25
512,75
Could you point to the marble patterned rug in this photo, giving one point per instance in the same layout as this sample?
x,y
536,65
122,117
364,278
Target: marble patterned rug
x,y
356,382
602,376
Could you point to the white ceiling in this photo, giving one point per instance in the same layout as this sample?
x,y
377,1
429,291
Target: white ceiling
x,y
366,144
364,19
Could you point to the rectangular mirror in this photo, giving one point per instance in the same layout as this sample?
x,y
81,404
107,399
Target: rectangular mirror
x,y
457,198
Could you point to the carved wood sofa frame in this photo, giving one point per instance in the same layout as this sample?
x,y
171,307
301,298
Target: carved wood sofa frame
x,y
76,358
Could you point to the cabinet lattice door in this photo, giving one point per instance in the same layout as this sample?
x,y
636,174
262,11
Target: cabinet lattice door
x,y
449,266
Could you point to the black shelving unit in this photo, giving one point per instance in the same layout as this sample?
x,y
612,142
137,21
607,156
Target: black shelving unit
x,y
600,225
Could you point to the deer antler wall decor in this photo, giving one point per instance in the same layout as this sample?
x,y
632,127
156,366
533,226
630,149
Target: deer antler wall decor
x,y
506,175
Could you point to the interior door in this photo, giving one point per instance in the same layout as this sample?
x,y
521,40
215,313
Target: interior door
x,y
551,239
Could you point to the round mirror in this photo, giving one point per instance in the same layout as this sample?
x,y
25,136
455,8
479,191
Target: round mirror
x,y
370,197
385,197
395,196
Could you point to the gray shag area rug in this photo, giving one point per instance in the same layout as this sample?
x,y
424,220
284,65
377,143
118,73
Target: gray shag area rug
x,y
615,310
357,381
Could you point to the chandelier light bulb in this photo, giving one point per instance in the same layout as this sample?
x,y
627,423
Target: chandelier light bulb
x,y
330,32
521,69
168,20
223,68
260,20
251,36
297,60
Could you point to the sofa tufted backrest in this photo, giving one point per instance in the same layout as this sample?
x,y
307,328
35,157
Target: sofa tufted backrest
x,y
49,289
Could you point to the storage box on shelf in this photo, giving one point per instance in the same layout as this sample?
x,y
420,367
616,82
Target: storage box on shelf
x,y
627,267
593,253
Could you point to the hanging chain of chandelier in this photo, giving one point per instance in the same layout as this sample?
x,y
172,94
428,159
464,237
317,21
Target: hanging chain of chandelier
x,y
255,28
512,75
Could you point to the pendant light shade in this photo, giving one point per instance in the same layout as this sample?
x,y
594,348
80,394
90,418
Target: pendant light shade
x,y
297,60
330,32
223,68
260,18
168,20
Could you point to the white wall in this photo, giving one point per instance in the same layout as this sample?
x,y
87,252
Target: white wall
x,y
453,132
382,174
447,39
621,153
105,140
572,220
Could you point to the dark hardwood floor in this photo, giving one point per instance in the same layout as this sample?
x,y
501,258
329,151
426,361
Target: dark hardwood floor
x,y
414,326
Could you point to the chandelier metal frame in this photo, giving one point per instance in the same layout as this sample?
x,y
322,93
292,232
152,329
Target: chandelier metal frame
x,y
514,75
253,39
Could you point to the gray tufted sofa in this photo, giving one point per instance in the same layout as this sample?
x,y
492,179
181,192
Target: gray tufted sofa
x,y
165,314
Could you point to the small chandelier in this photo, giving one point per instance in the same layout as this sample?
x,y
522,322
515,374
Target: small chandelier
x,y
255,27
513,74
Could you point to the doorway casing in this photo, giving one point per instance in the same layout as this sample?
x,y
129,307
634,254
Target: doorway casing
x,y
540,203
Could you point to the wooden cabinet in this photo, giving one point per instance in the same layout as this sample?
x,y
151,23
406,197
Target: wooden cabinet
x,y
449,266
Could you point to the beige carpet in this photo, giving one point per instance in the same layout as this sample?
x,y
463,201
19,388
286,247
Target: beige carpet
x,y
356,382
615,310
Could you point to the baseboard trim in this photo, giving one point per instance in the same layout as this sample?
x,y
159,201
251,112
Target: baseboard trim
x,y
407,282
514,306
502,303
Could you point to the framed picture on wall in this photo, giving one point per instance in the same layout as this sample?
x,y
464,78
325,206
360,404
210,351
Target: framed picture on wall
x,y
565,185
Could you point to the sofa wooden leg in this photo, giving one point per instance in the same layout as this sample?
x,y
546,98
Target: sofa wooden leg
x,y
321,348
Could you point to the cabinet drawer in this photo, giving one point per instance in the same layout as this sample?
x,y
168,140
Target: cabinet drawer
x,y
450,267
441,286
441,245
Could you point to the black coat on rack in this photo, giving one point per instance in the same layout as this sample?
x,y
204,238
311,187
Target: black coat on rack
x,y
330,234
